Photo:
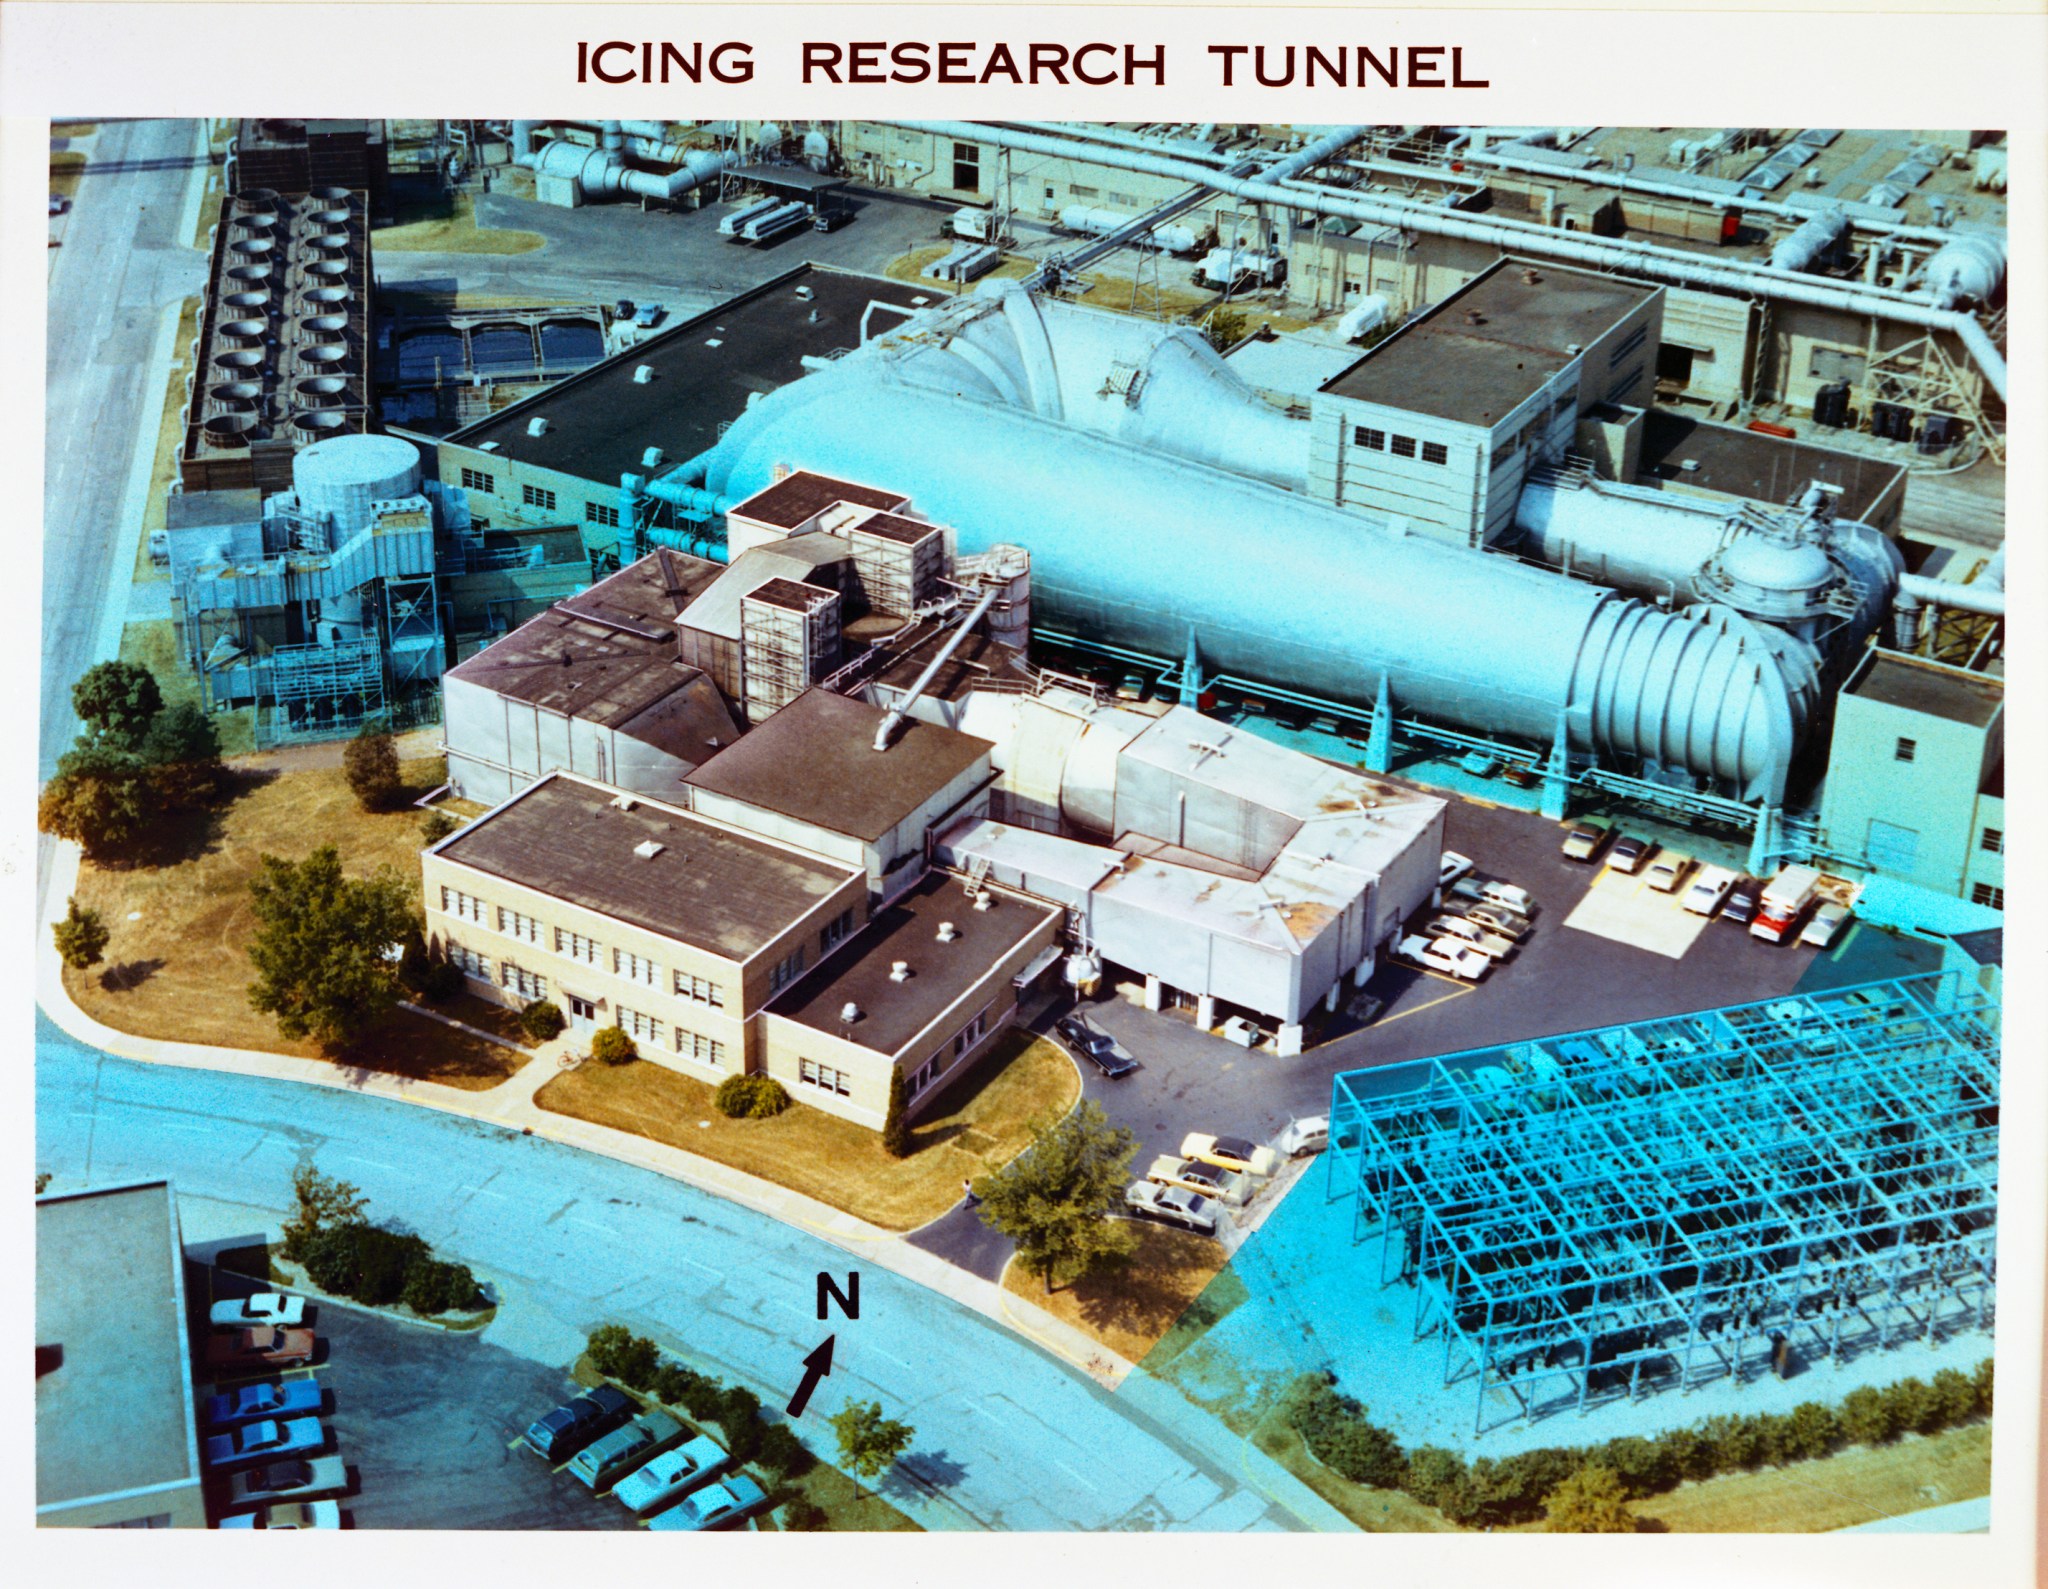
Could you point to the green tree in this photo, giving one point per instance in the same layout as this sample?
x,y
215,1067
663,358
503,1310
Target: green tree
x,y
435,1286
611,1046
1955,1397
869,1444
895,1125
365,1262
116,701
542,1021
1224,328
82,938
1867,1417
1980,1378
1811,1431
182,751
1589,1502
370,764
319,1202
99,800
1054,1199
436,826
323,946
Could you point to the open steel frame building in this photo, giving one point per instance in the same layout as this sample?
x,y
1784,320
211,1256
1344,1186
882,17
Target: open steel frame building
x,y
1666,1203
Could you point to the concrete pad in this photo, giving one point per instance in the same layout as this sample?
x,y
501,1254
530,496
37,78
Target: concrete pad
x,y
1628,910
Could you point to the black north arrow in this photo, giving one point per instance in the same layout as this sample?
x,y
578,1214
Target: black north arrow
x,y
816,1367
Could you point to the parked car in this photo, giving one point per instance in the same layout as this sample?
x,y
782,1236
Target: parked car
x,y
1451,866
266,1307
1827,921
1097,1047
294,1479
1492,891
1131,687
623,309
830,220
717,1505
1229,1153
611,1457
574,1424
1709,888
277,1348
1782,902
289,1514
1173,1205
266,1398
1627,855
1309,1134
59,204
1497,918
271,1437
1584,841
1741,901
1443,954
669,1474
1494,945
648,314
1667,871
1204,1180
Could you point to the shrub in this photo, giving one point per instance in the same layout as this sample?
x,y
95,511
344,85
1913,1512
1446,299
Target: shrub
x,y
750,1097
1340,1436
1688,1453
1732,1442
611,1046
427,974
1981,1379
1811,1430
82,937
438,1287
619,1354
896,1122
542,1021
800,1516
782,1453
1867,1417
676,1386
701,1398
1435,1476
1914,1406
1513,1489
1589,1502
436,826
739,1415
365,1262
1955,1398
370,764
1643,1466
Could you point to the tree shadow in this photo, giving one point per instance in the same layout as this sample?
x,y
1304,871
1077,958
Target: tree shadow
x,y
129,974
183,833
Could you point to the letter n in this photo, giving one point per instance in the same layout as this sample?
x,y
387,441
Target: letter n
x,y
848,1300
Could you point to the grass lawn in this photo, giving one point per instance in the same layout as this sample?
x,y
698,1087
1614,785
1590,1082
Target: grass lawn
x,y
1012,268
454,232
978,1124
154,644
73,129
1129,1307
179,969
66,167
1375,1511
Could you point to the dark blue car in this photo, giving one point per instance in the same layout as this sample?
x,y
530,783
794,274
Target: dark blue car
x,y
574,1424
293,1398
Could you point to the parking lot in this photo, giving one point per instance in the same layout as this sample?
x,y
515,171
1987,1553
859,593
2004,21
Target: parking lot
x,y
426,1420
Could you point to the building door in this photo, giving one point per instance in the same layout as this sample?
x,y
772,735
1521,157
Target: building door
x,y
967,167
1893,849
582,1014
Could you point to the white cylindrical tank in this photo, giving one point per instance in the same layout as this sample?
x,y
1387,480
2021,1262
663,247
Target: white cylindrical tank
x,y
1367,315
1094,222
1009,620
339,479
1966,269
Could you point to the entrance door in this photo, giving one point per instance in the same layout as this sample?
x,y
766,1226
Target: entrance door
x,y
582,1014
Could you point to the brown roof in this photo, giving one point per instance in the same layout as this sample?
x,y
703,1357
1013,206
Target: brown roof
x,y
726,893
815,760
895,527
803,496
979,659
789,594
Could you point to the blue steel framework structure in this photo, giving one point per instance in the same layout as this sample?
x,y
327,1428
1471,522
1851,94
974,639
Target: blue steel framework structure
x,y
1614,1211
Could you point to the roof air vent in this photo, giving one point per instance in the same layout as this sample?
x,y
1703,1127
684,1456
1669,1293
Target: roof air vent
x,y
642,374
487,446
1532,276
948,932
624,802
984,900
849,1012
899,971
1474,318
537,426
648,849
652,458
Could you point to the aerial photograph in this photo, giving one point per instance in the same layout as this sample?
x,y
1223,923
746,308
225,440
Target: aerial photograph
x,y
790,825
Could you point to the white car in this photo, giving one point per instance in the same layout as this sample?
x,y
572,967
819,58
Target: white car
x,y
1447,955
266,1307
1491,891
1175,1205
1452,867
289,1514
1494,945
1309,1134
1827,920
1229,1153
1709,888
676,1472
1667,871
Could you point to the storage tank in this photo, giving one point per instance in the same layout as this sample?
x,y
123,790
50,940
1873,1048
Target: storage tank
x,y
1966,269
1140,549
342,477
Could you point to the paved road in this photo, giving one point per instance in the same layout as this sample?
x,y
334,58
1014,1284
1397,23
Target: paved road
x,y
1007,1437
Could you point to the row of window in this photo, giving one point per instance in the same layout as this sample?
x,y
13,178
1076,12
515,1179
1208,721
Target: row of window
x,y
538,497
1400,446
528,985
1985,894
633,967
823,1077
466,906
516,924
1992,841
601,513
477,480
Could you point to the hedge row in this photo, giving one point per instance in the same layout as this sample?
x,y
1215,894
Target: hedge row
x,y
1513,1489
370,1264
635,1361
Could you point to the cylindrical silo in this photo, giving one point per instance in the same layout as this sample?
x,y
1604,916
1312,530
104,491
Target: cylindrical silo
x,y
339,479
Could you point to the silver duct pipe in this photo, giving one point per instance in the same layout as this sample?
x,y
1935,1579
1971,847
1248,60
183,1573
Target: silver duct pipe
x,y
1664,264
1974,597
931,669
604,173
1095,132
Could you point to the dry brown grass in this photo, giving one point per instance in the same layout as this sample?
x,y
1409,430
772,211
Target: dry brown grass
x,y
66,167
1130,1306
978,1125
906,268
179,970
1375,1511
454,233
154,645
73,129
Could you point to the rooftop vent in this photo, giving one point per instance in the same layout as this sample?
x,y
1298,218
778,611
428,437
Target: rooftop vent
x,y
984,900
1574,349
487,446
642,374
1474,318
647,849
652,458
899,971
1532,276
537,426
805,293
624,802
849,1012
948,932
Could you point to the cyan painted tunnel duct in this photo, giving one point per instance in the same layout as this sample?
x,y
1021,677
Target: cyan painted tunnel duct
x,y
1142,549
603,172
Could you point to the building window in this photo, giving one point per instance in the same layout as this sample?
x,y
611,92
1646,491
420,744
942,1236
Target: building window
x,y
477,480
926,1074
535,497
1906,750
702,989
1621,389
1435,452
823,1077
835,930
634,968
1628,345
599,513
1993,841
1562,407
515,925
1985,894
1401,446
522,982
787,972
641,1028
576,946
1080,192
470,961
1350,288
704,1050
1376,440
467,906
970,1034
